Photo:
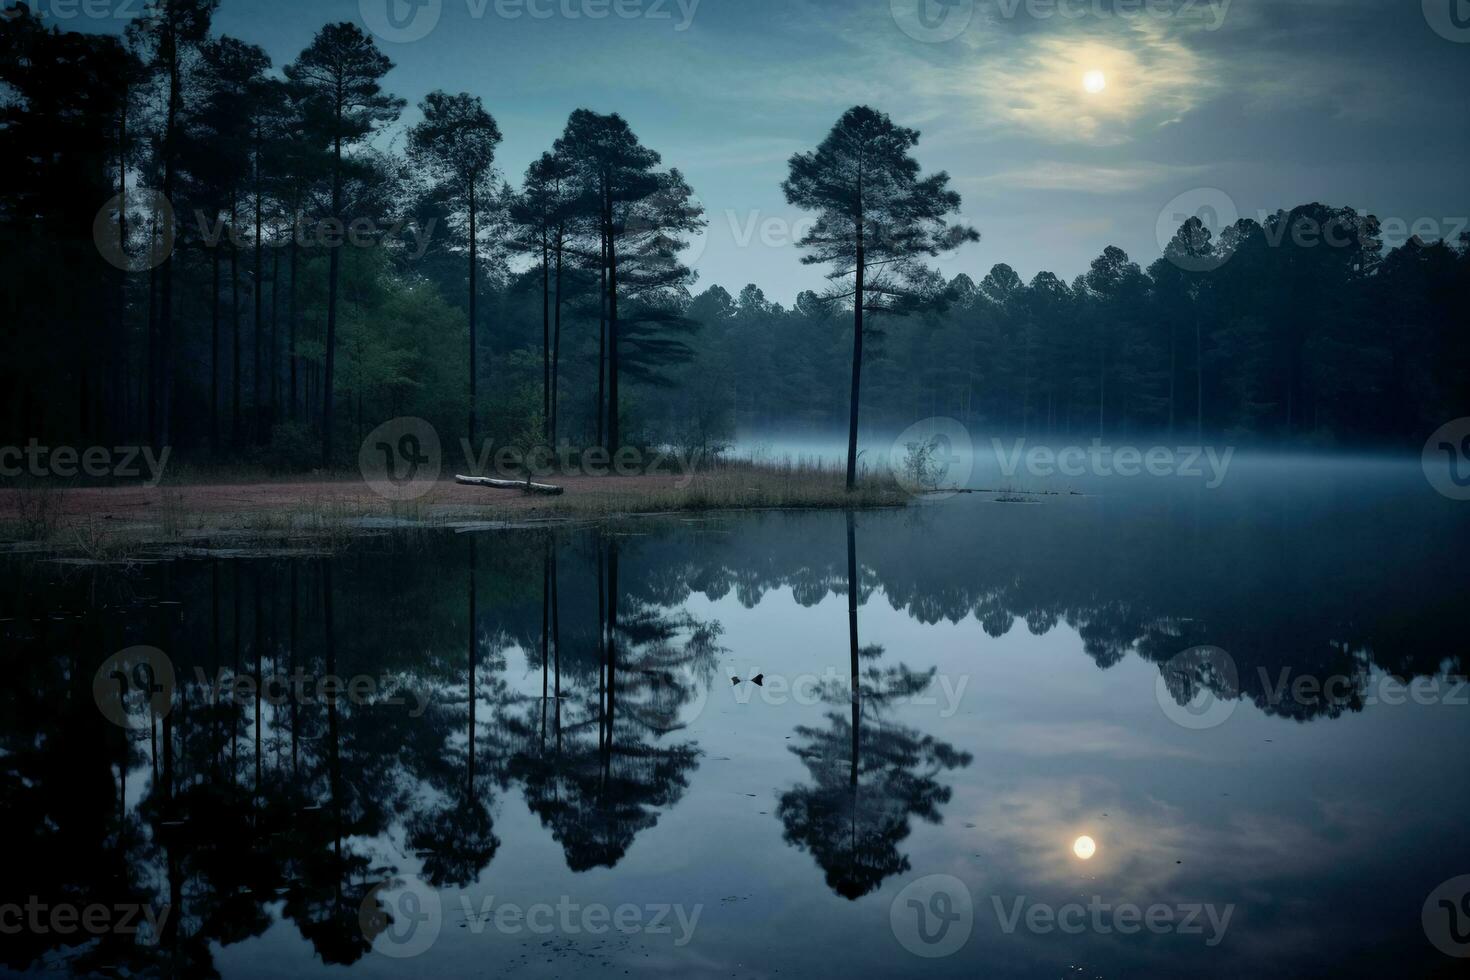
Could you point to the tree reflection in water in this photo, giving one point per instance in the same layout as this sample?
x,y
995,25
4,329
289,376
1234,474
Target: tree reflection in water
x,y
869,776
238,813
608,765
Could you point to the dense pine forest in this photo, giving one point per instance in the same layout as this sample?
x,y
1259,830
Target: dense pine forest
x,y
257,262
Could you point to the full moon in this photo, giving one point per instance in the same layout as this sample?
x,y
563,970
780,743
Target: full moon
x,y
1084,847
1094,81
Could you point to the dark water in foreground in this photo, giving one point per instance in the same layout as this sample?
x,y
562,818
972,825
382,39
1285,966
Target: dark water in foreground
x,y
544,769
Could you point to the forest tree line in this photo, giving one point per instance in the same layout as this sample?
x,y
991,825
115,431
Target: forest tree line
x,y
318,271
1255,337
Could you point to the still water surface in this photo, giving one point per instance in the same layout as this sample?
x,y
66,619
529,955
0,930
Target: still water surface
x,y
545,768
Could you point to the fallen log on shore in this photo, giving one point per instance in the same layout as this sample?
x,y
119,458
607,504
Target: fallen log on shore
x,y
521,485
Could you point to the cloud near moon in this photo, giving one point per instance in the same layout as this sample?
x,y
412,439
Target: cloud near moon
x,y
1151,81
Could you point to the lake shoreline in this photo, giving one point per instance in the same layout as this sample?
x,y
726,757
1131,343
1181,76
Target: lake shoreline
x,y
330,510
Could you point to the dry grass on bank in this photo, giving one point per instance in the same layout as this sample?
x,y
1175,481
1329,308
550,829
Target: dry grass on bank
x,y
242,508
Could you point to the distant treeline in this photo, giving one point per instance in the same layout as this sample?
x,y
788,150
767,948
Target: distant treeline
x,y
1270,334
303,284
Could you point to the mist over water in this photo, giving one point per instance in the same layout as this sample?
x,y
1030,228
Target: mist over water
x,y
1132,465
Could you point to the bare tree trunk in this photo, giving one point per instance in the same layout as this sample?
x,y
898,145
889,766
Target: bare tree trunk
x,y
275,353
1199,387
857,358
214,351
602,340
852,643
259,644
291,306
614,437
474,296
556,645
1173,371
556,345
612,647
473,644
234,326
150,397
545,339
166,305
601,647
119,365
334,270
255,387
291,665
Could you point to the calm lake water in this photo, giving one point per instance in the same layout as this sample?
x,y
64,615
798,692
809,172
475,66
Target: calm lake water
x,y
542,767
